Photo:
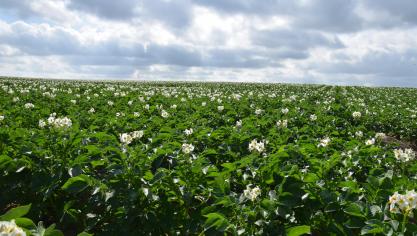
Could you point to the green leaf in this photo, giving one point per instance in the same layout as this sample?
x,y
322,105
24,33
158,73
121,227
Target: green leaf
x,y
25,223
217,221
76,184
372,229
84,234
298,230
354,209
54,232
16,212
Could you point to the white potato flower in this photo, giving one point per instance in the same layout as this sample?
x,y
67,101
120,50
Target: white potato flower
x,y
92,110
403,203
126,138
356,115
220,108
285,110
324,142
1,118
110,103
254,145
9,228
63,122
313,117
282,123
137,134
252,193
29,105
380,136
187,148
404,155
370,141
188,132
42,123
258,112
239,124
203,104
164,114
359,133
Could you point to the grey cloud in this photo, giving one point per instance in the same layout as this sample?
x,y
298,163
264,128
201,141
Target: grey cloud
x,y
58,41
334,16
234,58
248,6
293,39
110,9
393,13
176,14
385,68
40,42
21,8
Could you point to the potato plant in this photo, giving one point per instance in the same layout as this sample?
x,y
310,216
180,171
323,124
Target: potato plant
x,y
165,158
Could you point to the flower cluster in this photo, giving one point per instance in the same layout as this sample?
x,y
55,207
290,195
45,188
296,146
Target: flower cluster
x,y
370,142
56,122
10,228
254,145
252,193
127,138
356,115
258,112
324,142
187,148
282,123
380,136
403,203
404,155
188,132
239,124
29,105
164,114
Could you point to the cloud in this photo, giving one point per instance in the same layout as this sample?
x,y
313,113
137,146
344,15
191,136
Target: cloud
x,y
333,16
388,13
384,64
316,41
21,8
292,39
114,10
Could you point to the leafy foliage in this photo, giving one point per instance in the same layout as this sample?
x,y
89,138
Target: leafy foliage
x,y
266,159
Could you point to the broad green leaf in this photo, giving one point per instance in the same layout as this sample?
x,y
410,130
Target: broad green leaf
x,y
298,230
217,221
76,184
354,209
16,212
84,234
25,223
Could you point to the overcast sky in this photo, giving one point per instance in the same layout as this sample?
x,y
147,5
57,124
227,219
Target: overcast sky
x,y
349,42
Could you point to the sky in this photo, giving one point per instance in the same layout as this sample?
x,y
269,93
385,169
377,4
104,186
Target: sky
x,y
342,42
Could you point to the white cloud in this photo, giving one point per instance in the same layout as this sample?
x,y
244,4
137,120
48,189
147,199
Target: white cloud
x,y
270,41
